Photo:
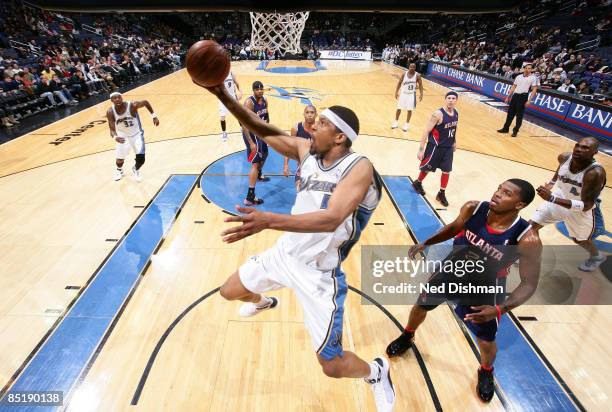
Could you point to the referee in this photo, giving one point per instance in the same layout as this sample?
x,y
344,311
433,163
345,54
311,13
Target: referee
x,y
521,97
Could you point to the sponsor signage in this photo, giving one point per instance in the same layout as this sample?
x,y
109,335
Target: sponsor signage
x,y
570,112
346,55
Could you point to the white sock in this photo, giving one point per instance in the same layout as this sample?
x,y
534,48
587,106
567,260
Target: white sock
x,y
263,301
374,371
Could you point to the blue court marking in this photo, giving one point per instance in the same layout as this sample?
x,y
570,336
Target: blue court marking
x,y
225,183
61,360
262,65
526,382
291,70
600,244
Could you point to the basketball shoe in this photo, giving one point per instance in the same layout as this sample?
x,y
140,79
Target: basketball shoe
x,y
400,345
251,309
382,386
118,174
486,385
394,125
136,172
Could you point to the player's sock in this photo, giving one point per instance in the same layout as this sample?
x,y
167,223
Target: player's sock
x,y
264,301
223,125
249,309
422,176
251,193
374,372
444,180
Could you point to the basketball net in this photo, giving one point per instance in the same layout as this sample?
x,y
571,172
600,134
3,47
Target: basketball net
x,y
277,31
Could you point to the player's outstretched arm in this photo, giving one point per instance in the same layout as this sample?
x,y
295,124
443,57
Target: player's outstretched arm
x,y
274,136
345,199
448,231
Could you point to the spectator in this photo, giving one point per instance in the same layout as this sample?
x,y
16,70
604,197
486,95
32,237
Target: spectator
x,y
567,87
583,88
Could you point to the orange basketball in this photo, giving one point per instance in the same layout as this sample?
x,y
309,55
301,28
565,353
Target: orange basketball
x,y
207,63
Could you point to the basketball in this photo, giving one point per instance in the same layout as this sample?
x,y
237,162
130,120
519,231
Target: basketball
x,y
207,63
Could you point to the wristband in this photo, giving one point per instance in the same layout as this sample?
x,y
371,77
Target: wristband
x,y
552,199
153,115
499,313
577,205
552,182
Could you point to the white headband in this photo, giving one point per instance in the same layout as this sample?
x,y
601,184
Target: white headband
x,y
340,124
113,94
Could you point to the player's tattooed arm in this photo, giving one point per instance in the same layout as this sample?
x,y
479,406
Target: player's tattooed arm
x,y
530,260
435,118
273,135
449,231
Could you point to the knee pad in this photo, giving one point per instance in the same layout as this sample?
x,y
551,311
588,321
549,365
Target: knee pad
x,y
140,159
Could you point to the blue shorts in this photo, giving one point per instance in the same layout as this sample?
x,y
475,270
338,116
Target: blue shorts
x,y
436,157
261,152
485,331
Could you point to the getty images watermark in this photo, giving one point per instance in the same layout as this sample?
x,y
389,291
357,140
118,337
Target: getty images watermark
x,y
447,273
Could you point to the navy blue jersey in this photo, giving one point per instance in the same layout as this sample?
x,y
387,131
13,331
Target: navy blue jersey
x,y
301,131
261,109
484,241
443,134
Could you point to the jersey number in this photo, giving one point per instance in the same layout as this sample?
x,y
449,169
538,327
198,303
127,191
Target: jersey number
x,y
325,201
228,84
574,191
128,123
451,133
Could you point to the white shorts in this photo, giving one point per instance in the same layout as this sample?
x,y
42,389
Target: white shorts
x,y
321,294
223,110
136,142
406,101
580,225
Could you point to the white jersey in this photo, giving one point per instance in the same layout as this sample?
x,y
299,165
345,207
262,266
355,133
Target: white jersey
x,y
230,85
324,251
409,84
569,185
126,124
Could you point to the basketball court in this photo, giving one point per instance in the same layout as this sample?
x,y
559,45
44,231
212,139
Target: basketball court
x,y
109,291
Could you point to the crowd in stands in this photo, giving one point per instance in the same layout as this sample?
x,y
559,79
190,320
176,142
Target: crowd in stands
x,y
549,49
48,60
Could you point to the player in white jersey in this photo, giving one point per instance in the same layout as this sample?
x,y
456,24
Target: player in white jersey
x,y
126,129
233,88
572,196
337,193
405,93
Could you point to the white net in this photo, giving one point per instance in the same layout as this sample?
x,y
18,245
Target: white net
x,y
277,31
